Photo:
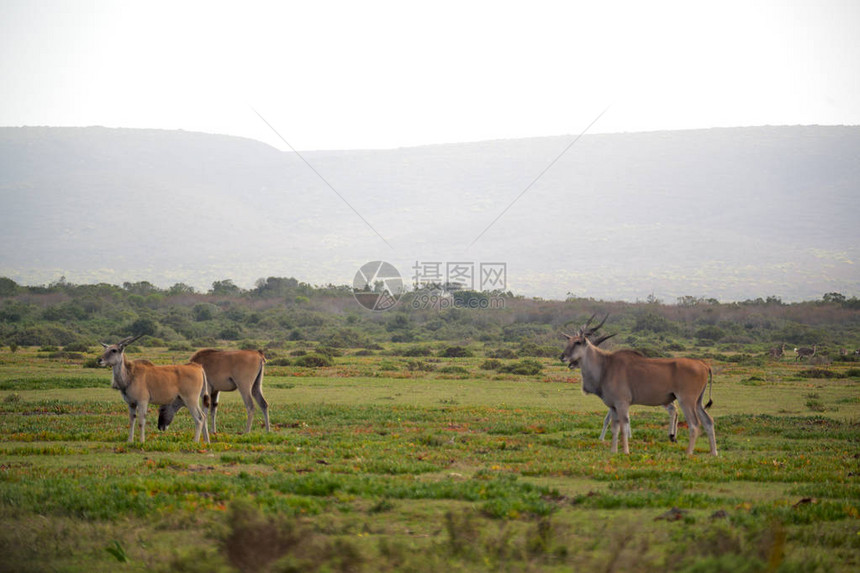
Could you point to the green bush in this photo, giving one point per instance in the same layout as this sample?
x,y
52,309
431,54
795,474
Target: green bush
x,y
416,351
504,353
819,373
453,369
532,349
525,367
76,347
653,322
314,361
490,364
456,352
711,333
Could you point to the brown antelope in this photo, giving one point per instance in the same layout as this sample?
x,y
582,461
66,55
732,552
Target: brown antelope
x,y
804,352
777,352
227,370
141,382
624,378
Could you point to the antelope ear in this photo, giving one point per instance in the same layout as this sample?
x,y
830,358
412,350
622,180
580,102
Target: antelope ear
x,y
103,344
566,336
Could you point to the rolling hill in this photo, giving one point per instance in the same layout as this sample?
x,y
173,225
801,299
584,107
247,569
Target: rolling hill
x,y
727,213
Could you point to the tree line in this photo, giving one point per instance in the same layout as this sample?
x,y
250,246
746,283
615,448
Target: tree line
x,y
279,309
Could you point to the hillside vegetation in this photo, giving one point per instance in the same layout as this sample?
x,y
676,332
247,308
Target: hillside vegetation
x,y
279,310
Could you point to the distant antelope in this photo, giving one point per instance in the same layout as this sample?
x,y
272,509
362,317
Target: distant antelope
x,y
141,382
804,352
624,378
777,352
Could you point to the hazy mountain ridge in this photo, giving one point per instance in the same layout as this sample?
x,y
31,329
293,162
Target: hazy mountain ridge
x,y
729,213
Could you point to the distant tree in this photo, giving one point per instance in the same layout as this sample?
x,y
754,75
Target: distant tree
x,y
203,311
834,298
181,288
142,288
652,299
144,325
225,287
652,322
275,286
8,287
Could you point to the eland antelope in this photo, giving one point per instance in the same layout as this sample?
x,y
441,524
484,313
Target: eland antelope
x,y
670,408
804,352
624,378
141,382
227,370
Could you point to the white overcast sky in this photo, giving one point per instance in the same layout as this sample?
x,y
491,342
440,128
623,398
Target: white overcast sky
x,y
346,75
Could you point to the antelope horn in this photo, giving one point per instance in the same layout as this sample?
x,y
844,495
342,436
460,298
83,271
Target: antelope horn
x,y
126,341
593,330
587,322
603,339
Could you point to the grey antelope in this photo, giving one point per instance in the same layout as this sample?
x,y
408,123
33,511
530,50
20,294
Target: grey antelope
x,y
804,352
227,370
141,382
624,378
670,408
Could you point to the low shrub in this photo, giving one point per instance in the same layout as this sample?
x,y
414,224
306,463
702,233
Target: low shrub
x,y
502,353
453,369
314,361
532,349
819,373
456,352
416,351
525,367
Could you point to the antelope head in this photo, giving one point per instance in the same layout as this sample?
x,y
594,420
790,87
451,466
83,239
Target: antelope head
x,y
113,352
576,345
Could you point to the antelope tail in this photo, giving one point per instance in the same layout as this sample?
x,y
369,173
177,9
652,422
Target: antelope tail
x,y
205,390
710,388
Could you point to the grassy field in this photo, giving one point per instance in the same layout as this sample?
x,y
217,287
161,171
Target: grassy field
x,y
386,463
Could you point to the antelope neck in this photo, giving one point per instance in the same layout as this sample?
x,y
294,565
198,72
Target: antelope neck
x,y
121,374
592,370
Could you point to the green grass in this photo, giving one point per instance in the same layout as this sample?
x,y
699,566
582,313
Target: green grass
x,y
452,467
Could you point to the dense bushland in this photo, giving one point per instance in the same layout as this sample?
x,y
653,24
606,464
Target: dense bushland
x,y
283,309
